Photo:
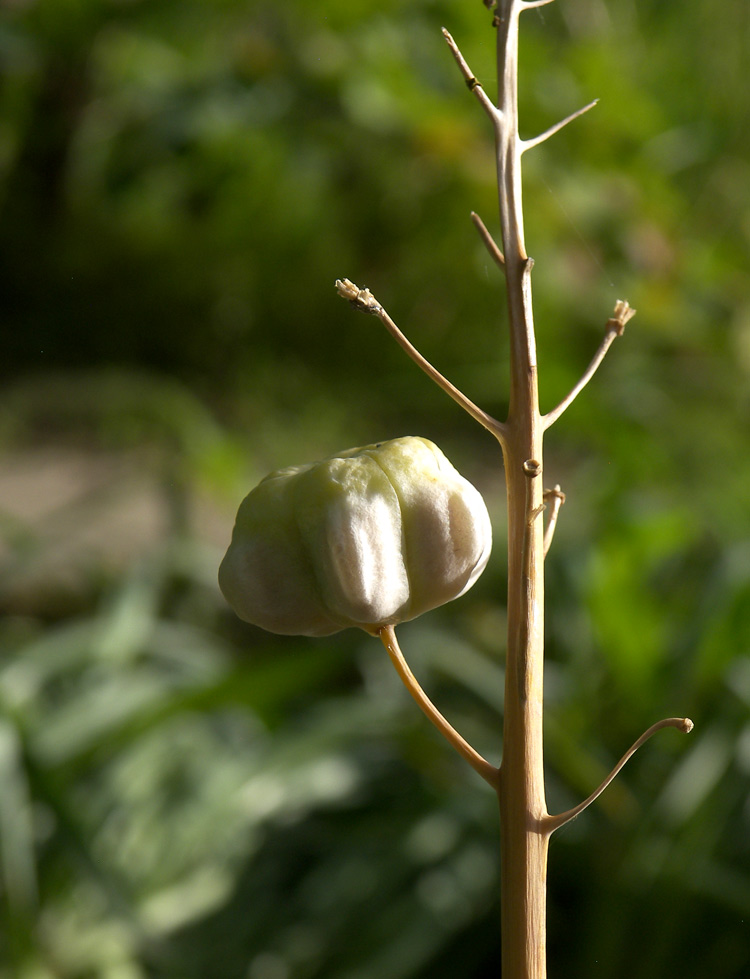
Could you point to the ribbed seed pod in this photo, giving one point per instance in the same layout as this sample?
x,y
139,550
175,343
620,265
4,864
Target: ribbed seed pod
x,y
370,537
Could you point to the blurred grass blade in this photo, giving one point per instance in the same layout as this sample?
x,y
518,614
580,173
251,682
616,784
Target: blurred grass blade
x,y
16,826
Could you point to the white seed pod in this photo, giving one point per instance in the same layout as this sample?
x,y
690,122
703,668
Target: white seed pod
x,y
370,537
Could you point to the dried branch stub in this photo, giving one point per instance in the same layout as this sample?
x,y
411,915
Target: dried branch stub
x,y
361,299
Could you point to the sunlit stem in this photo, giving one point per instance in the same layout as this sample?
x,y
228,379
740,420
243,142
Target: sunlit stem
x,y
615,328
473,84
528,144
488,240
364,300
556,498
489,773
684,724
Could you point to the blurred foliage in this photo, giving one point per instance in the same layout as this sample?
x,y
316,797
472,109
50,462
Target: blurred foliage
x,y
180,184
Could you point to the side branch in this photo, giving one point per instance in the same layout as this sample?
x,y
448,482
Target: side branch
x,y
474,86
615,328
364,300
528,144
557,498
684,724
489,241
489,773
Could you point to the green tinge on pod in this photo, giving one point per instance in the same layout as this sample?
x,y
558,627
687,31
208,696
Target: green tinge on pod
x,y
370,537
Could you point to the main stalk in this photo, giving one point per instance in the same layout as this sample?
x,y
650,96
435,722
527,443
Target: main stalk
x,y
524,842
525,823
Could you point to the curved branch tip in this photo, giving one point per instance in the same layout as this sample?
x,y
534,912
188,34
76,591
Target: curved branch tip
x,y
683,724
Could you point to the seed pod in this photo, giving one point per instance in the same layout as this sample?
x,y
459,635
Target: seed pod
x,y
370,537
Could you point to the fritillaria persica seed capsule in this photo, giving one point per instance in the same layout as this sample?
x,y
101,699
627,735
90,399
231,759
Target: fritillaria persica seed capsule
x,y
370,537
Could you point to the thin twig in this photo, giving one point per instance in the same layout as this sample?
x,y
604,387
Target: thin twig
x,y
557,498
471,80
684,724
528,4
615,328
364,300
489,773
488,240
528,144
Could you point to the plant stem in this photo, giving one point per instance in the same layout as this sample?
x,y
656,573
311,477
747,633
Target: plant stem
x,y
683,724
364,300
526,826
387,635
524,840
523,810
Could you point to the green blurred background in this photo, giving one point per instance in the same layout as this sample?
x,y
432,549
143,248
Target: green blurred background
x,y
185,797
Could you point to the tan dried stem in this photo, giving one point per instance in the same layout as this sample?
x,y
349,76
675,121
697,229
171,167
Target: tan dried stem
x,y
488,240
525,823
615,328
364,300
523,810
556,498
529,144
684,724
489,773
522,796
472,82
